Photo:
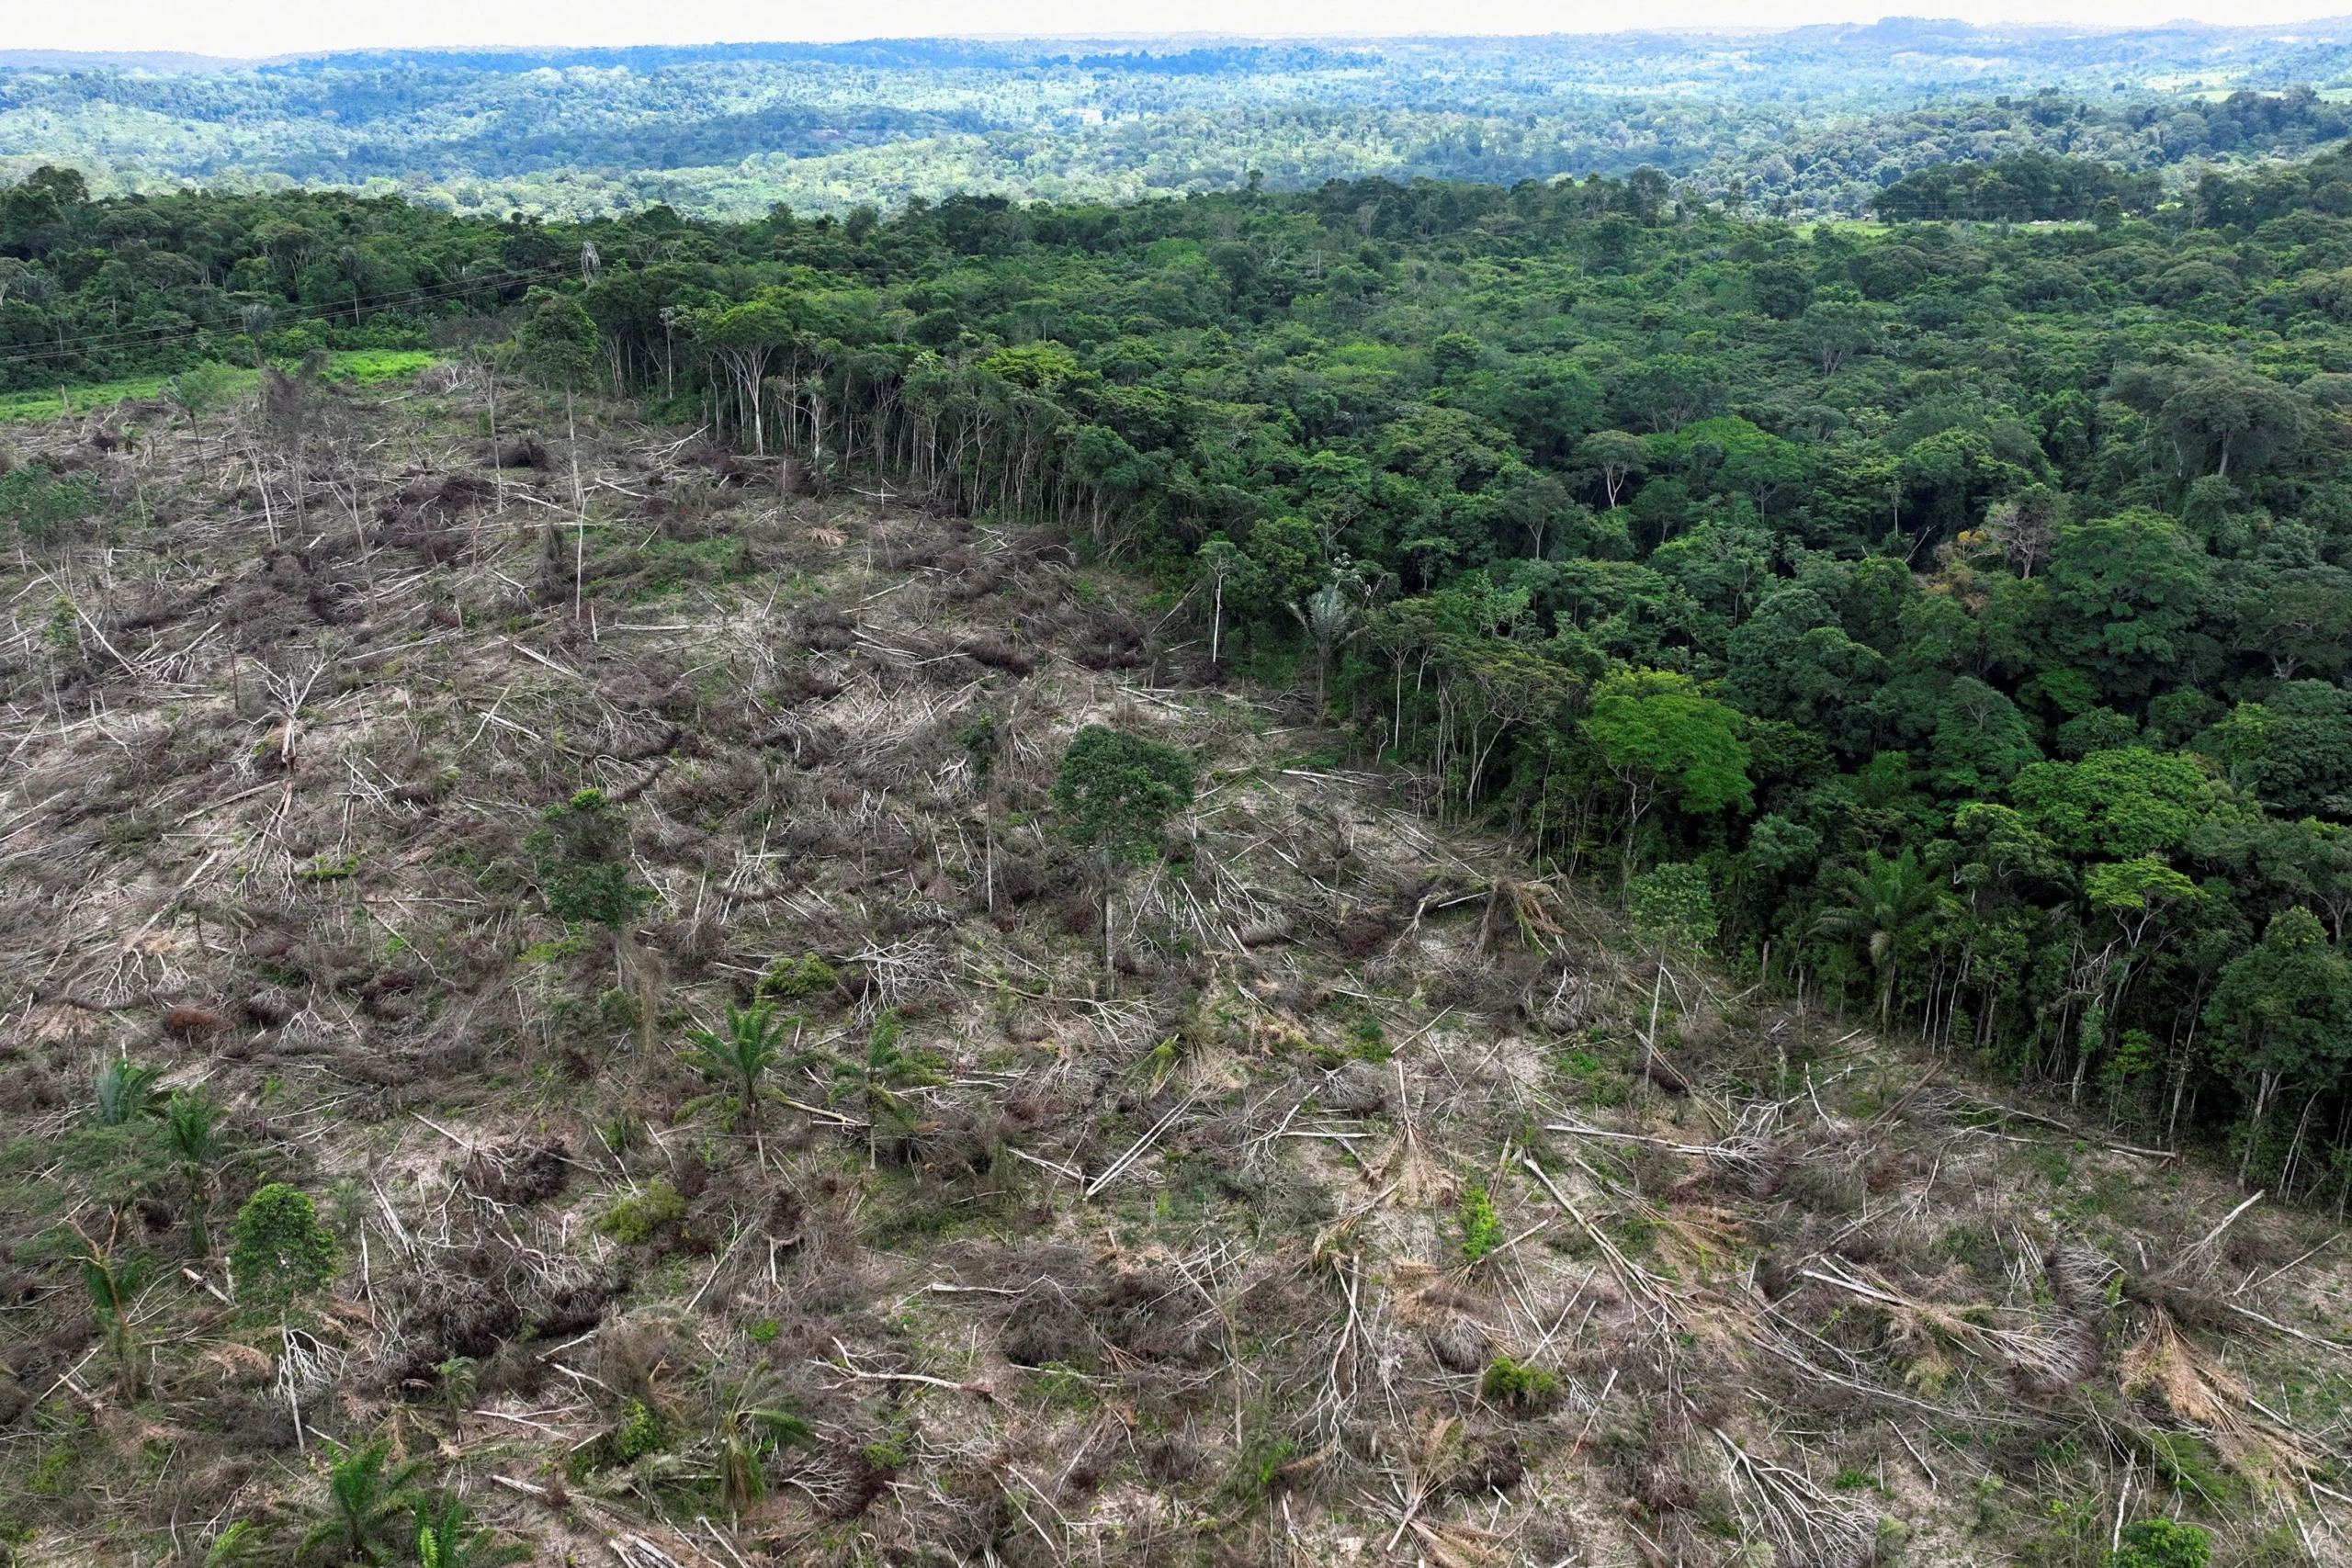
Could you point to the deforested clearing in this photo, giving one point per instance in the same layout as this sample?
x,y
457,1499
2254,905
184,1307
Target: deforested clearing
x,y
574,988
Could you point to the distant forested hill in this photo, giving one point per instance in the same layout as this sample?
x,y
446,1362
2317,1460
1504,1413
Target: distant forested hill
x,y
1814,120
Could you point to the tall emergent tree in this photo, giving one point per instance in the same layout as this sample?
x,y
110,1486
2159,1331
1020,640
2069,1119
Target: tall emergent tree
x,y
582,852
1115,793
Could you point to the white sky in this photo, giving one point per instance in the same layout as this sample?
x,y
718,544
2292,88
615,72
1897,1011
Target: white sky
x,y
246,27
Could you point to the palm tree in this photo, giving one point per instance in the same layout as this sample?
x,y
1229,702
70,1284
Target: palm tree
x,y
741,1056
122,1091
751,1422
354,269
234,1547
113,1286
1329,617
192,1130
364,1495
446,1537
1883,904
886,1068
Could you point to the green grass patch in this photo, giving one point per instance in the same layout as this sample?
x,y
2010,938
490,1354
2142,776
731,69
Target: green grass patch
x,y
657,567
363,366
370,366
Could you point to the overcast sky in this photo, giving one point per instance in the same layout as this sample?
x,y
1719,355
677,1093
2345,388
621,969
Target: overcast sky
x,y
244,27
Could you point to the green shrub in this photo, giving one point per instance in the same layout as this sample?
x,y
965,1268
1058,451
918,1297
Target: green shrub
x,y
581,851
1671,906
1260,1467
618,1007
1364,1042
642,1431
1482,1228
808,976
277,1249
632,1221
1518,1385
2160,1543
42,506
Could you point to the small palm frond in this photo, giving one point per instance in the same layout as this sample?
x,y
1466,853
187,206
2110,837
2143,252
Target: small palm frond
x,y
234,1547
749,1046
447,1537
752,1423
122,1091
365,1493
192,1126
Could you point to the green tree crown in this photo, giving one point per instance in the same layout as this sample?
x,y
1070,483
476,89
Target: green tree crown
x,y
1116,791
278,1249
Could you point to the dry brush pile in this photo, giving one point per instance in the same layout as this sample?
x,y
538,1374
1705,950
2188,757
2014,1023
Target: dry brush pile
x,y
1377,1201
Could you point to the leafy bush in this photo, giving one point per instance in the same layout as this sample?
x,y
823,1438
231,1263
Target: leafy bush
x,y
808,976
41,505
1482,1228
1518,1385
582,853
2161,1544
278,1249
632,1221
1672,907
641,1431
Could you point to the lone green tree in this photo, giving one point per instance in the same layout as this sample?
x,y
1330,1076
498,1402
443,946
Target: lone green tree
x,y
1115,793
581,850
982,740
557,341
1224,565
278,1249
113,1285
201,390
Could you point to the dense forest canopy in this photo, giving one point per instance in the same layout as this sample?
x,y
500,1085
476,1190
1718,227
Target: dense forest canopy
x,y
1814,120
1970,604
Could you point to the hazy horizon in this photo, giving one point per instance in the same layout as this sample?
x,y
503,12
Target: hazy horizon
x,y
213,34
